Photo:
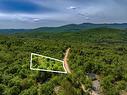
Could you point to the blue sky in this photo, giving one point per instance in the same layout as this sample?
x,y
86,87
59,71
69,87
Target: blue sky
x,y
41,13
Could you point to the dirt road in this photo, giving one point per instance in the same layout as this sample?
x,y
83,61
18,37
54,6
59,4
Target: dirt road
x,y
65,61
69,71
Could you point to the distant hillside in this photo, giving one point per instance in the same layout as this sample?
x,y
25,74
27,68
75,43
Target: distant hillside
x,y
113,25
66,28
78,27
12,31
90,35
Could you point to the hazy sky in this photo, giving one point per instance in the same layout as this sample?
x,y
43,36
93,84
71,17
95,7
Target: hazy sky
x,y
39,13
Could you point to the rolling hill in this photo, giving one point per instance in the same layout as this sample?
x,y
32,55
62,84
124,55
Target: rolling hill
x,y
97,35
66,28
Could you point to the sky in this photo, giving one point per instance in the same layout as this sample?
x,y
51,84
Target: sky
x,y
41,13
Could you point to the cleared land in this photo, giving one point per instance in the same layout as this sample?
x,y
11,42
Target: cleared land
x,y
46,63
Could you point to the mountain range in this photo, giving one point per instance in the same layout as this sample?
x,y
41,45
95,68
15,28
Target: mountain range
x,y
66,28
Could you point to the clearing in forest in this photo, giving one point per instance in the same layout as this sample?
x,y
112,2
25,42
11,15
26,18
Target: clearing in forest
x,y
44,63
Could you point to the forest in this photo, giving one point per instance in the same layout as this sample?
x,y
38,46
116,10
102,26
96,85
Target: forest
x,y
99,51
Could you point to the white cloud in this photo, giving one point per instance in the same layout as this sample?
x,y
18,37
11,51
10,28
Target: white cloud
x,y
72,7
36,19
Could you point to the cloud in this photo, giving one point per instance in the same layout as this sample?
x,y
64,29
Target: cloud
x,y
72,7
36,13
28,19
36,19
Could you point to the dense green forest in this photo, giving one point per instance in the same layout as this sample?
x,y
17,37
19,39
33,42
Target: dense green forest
x,y
101,51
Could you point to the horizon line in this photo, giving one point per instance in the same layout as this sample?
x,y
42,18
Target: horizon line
x,y
61,25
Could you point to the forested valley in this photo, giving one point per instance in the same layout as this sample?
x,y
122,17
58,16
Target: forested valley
x,y
99,51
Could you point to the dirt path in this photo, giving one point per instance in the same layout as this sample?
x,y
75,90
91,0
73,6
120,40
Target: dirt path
x,y
69,71
65,61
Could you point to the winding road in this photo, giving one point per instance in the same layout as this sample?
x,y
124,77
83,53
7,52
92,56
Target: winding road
x,y
68,70
65,61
